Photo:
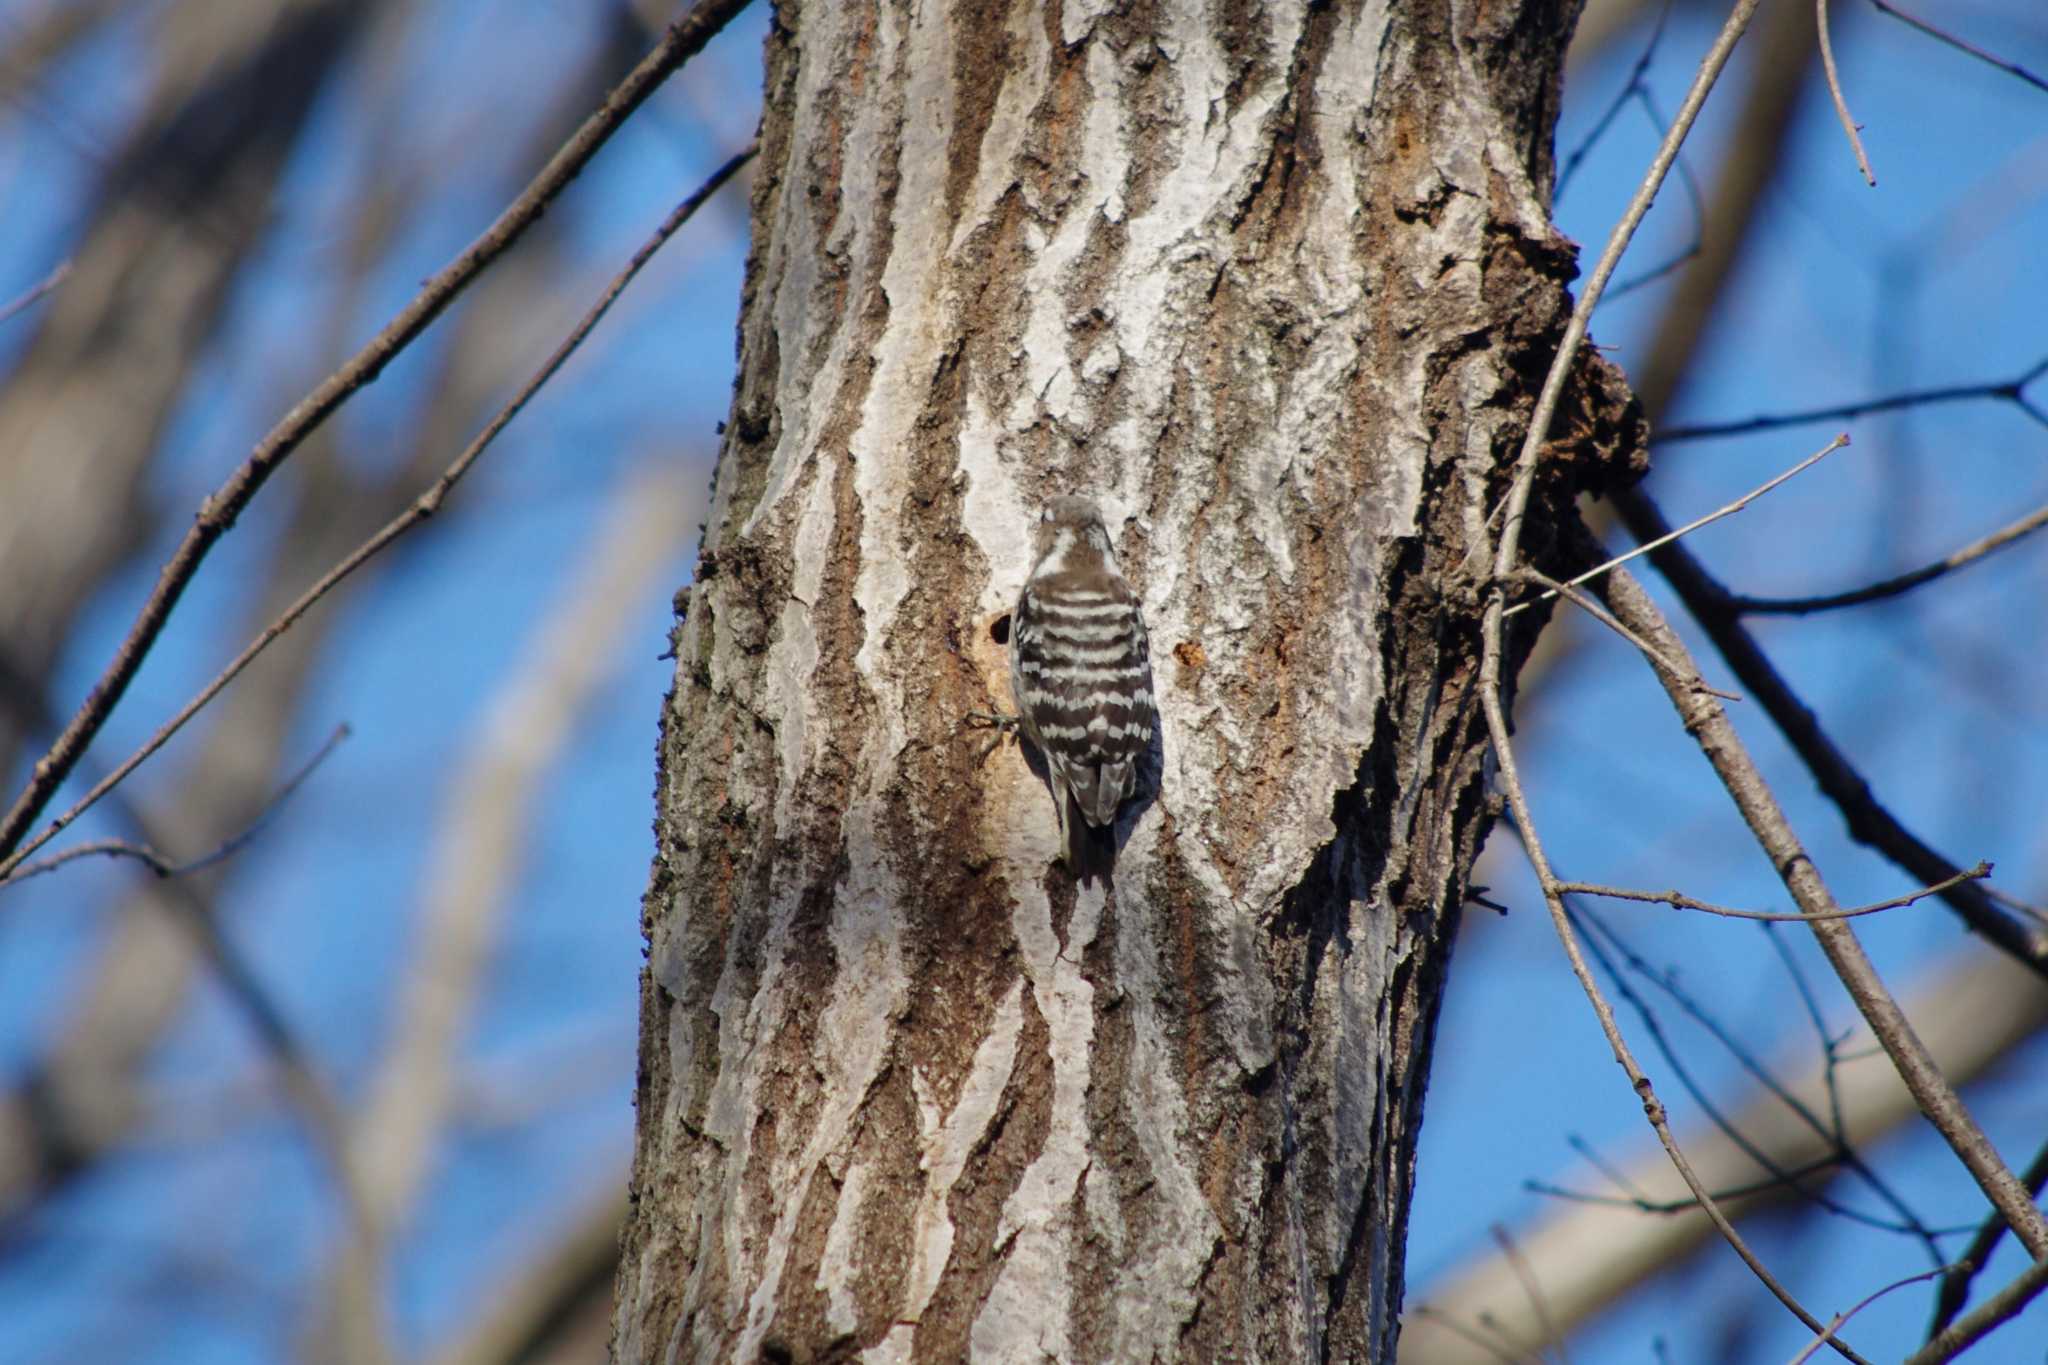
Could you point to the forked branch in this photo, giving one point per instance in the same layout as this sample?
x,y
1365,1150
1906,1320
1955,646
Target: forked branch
x,y
1708,724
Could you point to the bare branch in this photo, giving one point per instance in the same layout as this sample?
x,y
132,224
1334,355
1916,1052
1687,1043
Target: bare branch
x,y
27,298
1653,1108
1551,1336
1506,551
422,508
1694,201
2008,390
1893,587
1708,724
1834,1145
1679,902
1592,1252
476,862
1869,822
1471,1336
1835,1323
1955,1286
1575,331
1606,618
1943,35
1729,510
301,1079
1637,91
1753,157
164,866
683,40
2006,1303
1827,61
1786,1181
1636,83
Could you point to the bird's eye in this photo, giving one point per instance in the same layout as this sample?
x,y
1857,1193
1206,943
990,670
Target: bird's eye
x,y
1046,515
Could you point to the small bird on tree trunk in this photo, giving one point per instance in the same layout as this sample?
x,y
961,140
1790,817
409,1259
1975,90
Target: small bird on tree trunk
x,y
1080,671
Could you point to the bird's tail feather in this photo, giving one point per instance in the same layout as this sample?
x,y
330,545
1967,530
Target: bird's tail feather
x,y
1088,850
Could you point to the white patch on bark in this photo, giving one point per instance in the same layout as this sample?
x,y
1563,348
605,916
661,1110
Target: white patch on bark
x,y
790,697
992,509
869,986
841,1261
1077,17
1010,122
1156,1293
1037,1221
1048,385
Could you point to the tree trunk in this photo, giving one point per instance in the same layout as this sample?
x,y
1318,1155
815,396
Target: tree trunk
x,y
1275,283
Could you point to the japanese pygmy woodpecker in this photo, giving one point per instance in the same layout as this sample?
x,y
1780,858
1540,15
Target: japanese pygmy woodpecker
x,y
1080,674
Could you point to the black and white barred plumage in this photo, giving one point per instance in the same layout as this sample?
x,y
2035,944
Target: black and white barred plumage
x,y
1081,677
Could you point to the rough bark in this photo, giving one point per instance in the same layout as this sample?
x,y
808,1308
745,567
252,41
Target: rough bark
x,y
1274,282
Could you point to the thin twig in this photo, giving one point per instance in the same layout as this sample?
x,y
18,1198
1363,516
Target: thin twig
x,y
406,1105
1561,364
1708,724
1501,1353
1955,1286
1637,91
1637,81
301,1079
1606,618
1694,201
2010,390
1776,1180
1830,1043
1726,511
1835,1323
1653,1108
1505,1240
1591,1253
1942,35
1675,1058
421,509
1680,902
1754,160
1894,587
1869,822
1827,62
27,297
1967,1331
683,40
162,865
1615,1175
1834,1140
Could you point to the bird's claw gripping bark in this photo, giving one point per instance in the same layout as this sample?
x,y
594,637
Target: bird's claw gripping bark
x,y
1004,726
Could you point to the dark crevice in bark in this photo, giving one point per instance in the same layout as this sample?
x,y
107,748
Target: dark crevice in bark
x,y
1339,1283
981,38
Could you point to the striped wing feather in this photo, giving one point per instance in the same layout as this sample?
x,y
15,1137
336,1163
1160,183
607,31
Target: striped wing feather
x,y
1078,669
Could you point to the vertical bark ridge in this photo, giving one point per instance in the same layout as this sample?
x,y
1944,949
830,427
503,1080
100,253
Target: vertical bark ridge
x,y
1267,280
